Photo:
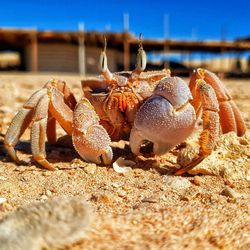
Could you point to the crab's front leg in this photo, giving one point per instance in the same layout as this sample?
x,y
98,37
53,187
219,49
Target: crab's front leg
x,y
206,97
218,110
20,123
90,139
230,116
53,101
56,102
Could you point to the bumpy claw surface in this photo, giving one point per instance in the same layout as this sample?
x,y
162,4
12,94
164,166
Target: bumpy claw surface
x,y
90,139
166,118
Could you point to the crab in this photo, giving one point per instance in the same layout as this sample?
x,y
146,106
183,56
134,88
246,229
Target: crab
x,y
137,106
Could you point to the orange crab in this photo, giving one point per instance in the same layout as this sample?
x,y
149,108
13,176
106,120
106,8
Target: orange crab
x,y
139,106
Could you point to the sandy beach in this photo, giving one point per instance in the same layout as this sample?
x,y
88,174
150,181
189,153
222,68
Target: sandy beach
x,y
146,207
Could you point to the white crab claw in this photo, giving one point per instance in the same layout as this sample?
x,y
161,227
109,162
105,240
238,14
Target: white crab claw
x,y
164,120
93,146
90,139
105,156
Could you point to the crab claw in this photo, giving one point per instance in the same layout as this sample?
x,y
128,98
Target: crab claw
x,y
166,118
90,139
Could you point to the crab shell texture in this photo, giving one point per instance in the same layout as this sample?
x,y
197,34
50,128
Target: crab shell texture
x,y
136,106
165,119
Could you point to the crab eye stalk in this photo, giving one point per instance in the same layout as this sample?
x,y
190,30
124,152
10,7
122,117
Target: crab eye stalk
x,y
141,60
103,63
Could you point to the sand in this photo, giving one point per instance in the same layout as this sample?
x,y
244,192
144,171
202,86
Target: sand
x,y
147,207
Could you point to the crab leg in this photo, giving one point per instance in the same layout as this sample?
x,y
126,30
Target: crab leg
x,y
60,110
63,95
15,132
44,107
207,98
53,103
51,129
241,127
68,96
230,117
227,119
38,133
20,122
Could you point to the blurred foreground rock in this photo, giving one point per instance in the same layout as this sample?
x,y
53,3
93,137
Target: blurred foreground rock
x,y
45,225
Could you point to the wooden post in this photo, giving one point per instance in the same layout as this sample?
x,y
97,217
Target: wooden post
x,y
126,55
189,59
34,52
222,71
166,52
81,50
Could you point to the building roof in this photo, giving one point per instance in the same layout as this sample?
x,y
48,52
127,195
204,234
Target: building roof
x,y
19,37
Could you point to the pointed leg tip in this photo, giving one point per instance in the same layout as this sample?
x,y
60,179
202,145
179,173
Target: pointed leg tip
x,y
180,172
43,162
12,153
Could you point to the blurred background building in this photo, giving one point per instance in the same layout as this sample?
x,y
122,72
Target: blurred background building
x,y
78,52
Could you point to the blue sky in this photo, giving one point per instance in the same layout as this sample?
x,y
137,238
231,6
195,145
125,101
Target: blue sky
x,y
187,19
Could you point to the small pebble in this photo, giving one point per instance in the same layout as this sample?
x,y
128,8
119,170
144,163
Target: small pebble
x,y
77,163
117,184
48,193
185,198
90,169
126,188
177,182
47,173
134,222
101,198
2,200
6,109
44,197
248,178
150,200
2,178
228,183
138,172
229,192
197,180
163,197
243,141
121,193
187,154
